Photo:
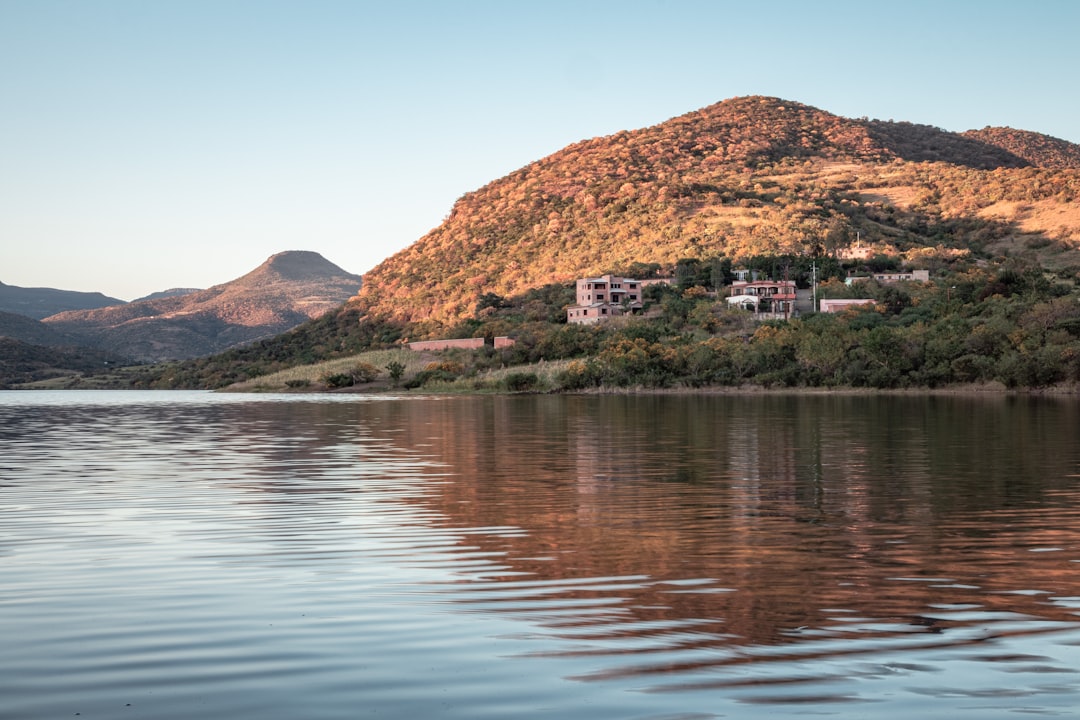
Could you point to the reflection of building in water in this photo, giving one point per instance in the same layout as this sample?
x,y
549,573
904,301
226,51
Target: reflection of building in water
x,y
774,508
758,447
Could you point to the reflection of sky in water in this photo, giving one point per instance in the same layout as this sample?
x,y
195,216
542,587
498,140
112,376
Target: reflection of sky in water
x,y
288,557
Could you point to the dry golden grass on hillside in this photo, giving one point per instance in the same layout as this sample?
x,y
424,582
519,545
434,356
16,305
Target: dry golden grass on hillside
x,y
1061,220
745,177
312,374
309,377
901,196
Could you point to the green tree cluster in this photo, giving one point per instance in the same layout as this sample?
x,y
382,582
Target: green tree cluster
x,y
1028,335
1013,325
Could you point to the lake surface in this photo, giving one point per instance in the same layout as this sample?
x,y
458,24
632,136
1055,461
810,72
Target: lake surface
x,y
181,555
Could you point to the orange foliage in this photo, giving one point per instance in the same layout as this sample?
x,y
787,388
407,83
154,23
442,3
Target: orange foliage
x,y
744,177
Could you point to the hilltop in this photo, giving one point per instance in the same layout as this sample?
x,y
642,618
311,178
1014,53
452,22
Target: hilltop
x,y
285,291
744,177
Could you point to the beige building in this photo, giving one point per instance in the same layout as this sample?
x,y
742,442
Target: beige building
x,y
601,298
857,251
910,276
835,305
461,343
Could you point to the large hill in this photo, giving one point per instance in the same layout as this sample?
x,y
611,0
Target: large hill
x,y
286,290
40,303
30,350
744,177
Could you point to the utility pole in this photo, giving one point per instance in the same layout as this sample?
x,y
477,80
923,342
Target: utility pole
x,y
813,284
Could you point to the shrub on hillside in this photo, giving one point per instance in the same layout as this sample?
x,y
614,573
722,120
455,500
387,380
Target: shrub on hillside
x,y
337,380
445,371
578,375
396,370
521,382
364,373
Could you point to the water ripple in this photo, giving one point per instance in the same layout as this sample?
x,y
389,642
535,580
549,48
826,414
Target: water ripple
x,y
187,554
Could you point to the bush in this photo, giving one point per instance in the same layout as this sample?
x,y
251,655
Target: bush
x,y
446,367
434,372
578,375
364,373
396,370
357,375
625,363
521,382
337,380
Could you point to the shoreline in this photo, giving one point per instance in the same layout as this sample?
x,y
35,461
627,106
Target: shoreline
x,y
969,390
992,389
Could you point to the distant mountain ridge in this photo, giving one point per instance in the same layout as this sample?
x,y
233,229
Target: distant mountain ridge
x,y
746,176
40,303
286,290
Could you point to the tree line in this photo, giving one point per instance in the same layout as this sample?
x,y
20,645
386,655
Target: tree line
x,y
1013,325
1017,327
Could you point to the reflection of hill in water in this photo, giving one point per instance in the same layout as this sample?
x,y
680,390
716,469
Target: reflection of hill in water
x,y
689,533
466,556
762,520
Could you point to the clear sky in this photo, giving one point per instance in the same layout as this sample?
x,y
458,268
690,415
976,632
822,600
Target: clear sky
x,y
151,144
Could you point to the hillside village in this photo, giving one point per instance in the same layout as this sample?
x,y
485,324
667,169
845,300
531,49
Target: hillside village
x,y
608,297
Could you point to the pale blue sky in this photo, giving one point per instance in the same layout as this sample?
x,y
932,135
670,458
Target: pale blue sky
x,y
149,144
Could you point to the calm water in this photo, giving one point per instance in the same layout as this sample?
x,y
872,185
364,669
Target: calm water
x,y
181,555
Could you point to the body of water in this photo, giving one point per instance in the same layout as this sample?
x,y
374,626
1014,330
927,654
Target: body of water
x,y
181,554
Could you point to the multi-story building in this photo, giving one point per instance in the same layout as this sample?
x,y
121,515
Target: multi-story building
x,y
767,299
607,296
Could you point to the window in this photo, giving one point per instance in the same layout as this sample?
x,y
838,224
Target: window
x,y
603,310
633,286
599,296
633,296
